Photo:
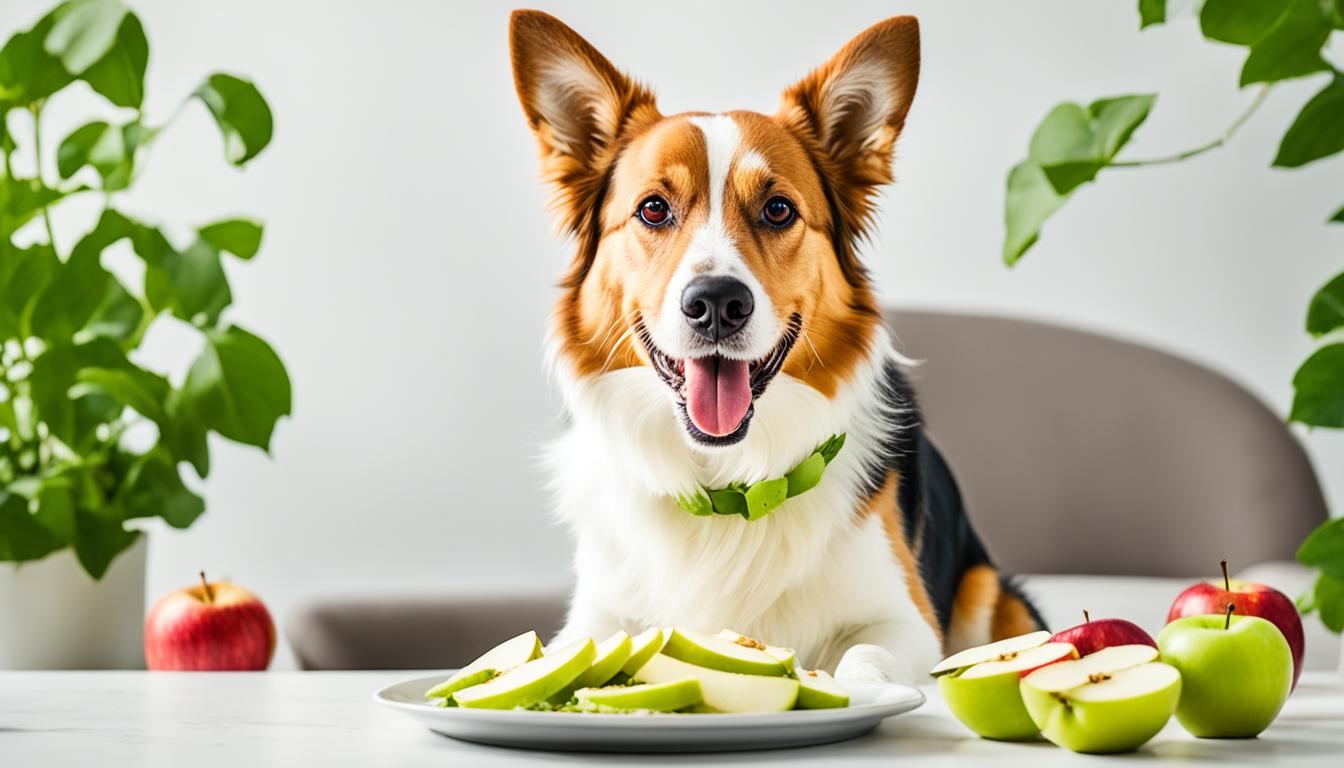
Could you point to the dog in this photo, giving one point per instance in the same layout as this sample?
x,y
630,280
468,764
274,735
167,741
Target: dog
x,y
715,329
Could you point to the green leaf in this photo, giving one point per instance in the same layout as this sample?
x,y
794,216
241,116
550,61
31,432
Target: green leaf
x,y
83,32
729,501
1240,22
805,476
697,504
55,508
763,497
21,200
28,73
191,284
109,150
120,75
22,537
238,387
53,372
1030,201
118,316
242,114
1072,143
1329,600
129,385
1152,12
184,436
1318,130
1326,312
1291,47
1338,218
24,274
1318,397
99,539
76,291
241,237
1324,549
155,489
831,448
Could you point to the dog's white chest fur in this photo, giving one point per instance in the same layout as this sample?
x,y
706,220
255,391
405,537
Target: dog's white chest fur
x,y
814,574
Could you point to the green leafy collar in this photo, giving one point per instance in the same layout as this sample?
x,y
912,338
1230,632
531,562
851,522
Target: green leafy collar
x,y
759,499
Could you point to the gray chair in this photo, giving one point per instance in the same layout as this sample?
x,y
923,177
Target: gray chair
x,y
1076,454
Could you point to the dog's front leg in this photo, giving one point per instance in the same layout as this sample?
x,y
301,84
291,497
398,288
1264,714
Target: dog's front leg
x,y
894,651
586,618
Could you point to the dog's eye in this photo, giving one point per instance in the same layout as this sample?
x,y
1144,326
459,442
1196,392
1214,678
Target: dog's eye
x,y
654,211
778,212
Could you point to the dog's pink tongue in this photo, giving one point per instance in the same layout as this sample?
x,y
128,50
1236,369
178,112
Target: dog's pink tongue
x,y
718,394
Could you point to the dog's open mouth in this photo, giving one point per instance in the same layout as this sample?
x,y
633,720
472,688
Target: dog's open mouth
x,y
716,393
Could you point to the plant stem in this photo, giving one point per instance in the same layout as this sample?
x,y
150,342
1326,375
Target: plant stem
x,y
37,150
1201,149
1227,622
205,587
1086,619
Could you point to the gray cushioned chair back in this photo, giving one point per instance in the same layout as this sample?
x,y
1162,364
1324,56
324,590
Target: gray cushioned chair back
x,y
1079,453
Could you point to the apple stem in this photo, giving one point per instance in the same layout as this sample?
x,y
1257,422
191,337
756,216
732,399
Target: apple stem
x,y
1228,621
1227,583
205,587
1086,618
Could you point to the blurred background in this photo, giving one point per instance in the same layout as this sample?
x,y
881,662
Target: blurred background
x,y
408,265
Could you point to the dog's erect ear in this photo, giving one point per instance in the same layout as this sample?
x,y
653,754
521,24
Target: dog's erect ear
x,y
851,109
578,105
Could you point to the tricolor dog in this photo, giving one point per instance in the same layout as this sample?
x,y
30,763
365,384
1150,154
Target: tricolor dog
x,y
716,329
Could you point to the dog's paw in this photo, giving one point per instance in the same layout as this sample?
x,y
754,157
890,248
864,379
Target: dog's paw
x,y
870,663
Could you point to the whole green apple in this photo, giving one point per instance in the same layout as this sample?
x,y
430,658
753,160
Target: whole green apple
x,y
1236,672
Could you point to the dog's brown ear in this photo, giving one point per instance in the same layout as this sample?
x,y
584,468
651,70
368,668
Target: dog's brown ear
x,y
578,105
851,110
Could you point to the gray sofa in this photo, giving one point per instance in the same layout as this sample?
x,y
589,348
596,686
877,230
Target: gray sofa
x,y
1108,474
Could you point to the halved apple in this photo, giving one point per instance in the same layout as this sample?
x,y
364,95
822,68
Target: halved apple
x,y
534,681
1113,700
642,648
511,653
725,691
786,656
659,697
818,690
719,653
980,685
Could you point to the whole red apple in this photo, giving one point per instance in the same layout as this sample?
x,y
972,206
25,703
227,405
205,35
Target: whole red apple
x,y
1247,599
209,627
1093,635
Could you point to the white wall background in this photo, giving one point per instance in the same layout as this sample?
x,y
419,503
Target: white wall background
x,y
408,267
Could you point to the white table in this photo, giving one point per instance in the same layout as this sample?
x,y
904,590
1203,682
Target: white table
x,y
326,719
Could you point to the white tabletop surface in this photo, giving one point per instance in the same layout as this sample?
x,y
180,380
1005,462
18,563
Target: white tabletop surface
x,y
326,719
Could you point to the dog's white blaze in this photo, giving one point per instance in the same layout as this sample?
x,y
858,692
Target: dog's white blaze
x,y
713,252
812,574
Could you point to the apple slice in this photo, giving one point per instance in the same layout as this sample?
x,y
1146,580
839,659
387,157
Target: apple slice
x,y
990,652
511,653
534,681
725,691
642,648
786,656
818,690
980,685
659,697
1113,700
718,653
612,654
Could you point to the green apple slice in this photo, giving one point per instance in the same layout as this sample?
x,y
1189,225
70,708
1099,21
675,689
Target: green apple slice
x,y
612,654
1110,711
642,648
725,691
818,690
659,697
511,653
1021,661
986,697
786,656
714,652
1067,675
534,681
990,652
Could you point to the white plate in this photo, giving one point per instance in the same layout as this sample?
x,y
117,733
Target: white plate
x,y
870,704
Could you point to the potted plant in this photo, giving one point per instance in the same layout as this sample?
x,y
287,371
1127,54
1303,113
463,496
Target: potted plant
x,y
1284,40
72,386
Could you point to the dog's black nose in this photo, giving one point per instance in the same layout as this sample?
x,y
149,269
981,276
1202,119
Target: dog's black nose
x,y
717,306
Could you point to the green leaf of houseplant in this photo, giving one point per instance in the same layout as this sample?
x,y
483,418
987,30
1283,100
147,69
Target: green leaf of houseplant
x,y
118,316
24,274
1240,22
183,435
1324,549
191,284
83,32
1318,130
21,200
1329,601
1338,218
28,73
99,538
109,150
22,537
1291,47
76,290
120,75
242,114
1030,201
154,488
241,237
238,387
1326,312
1064,146
1318,397
1152,12
129,385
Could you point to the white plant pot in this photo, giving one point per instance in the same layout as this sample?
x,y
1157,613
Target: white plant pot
x,y
53,615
